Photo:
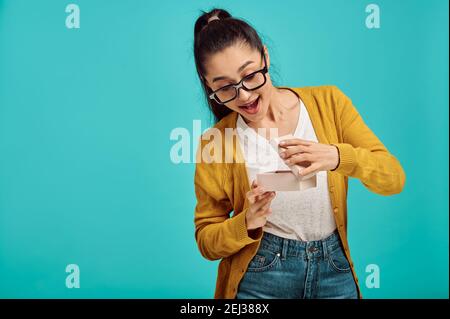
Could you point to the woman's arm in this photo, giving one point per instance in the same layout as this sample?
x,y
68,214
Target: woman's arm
x,y
218,235
361,153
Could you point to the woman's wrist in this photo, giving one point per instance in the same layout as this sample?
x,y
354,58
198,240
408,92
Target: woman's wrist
x,y
338,158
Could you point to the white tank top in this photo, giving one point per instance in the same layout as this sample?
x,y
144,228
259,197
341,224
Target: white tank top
x,y
302,215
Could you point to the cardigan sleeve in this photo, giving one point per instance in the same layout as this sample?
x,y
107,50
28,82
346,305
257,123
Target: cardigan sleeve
x,y
361,154
218,235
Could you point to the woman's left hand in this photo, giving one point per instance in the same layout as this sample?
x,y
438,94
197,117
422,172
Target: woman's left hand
x,y
313,156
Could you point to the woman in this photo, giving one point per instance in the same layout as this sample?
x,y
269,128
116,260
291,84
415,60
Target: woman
x,y
290,244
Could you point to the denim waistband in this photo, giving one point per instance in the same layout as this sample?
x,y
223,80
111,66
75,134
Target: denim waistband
x,y
292,247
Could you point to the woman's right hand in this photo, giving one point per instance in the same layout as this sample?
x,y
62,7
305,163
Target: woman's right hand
x,y
259,209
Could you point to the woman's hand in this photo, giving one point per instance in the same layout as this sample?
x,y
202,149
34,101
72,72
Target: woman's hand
x,y
313,156
259,208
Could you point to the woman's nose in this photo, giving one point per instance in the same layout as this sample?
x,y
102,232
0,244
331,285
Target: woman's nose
x,y
243,95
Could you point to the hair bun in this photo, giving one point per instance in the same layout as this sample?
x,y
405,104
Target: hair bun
x,y
208,17
213,18
220,13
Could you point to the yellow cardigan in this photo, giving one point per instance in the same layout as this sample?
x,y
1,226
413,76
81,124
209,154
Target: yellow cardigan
x,y
220,188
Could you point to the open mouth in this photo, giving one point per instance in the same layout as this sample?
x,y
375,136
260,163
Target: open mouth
x,y
252,108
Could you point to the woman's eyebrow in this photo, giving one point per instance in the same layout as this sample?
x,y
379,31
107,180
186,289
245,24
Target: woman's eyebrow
x,y
239,70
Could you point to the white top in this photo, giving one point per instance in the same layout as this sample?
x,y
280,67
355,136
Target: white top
x,y
302,215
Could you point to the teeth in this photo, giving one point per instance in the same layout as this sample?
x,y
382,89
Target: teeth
x,y
252,104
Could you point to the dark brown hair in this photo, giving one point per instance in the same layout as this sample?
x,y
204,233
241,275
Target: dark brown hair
x,y
215,36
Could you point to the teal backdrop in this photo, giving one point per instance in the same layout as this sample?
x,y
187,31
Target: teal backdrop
x,y
86,114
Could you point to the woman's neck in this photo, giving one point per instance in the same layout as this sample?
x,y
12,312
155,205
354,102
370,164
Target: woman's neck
x,y
279,110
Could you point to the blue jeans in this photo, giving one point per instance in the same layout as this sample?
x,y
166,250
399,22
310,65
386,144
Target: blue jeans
x,y
291,269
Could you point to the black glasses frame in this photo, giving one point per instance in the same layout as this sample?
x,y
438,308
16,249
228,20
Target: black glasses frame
x,y
263,71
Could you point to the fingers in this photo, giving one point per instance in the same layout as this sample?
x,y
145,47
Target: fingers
x,y
299,158
264,210
293,150
255,198
264,202
313,168
256,191
295,141
252,195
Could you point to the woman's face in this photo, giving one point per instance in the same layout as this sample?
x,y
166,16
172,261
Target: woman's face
x,y
229,67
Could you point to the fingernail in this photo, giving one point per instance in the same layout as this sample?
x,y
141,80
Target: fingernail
x,y
282,154
282,143
287,161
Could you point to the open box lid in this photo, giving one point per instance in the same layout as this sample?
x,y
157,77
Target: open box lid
x,y
296,169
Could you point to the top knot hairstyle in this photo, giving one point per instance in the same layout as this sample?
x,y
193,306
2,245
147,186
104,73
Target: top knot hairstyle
x,y
215,31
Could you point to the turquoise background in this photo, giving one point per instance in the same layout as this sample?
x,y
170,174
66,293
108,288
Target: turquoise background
x,y
86,116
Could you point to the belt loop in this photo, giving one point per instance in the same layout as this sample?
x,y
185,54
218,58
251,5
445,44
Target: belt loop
x,y
325,249
284,249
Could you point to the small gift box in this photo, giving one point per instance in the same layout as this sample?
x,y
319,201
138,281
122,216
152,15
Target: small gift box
x,y
284,180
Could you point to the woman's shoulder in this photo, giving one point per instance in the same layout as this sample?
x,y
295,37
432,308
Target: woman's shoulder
x,y
219,137
329,99
328,91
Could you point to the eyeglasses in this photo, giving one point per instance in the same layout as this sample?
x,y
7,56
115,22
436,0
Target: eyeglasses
x,y
250,82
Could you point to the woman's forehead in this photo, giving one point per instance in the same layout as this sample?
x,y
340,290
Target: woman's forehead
x,y
231,60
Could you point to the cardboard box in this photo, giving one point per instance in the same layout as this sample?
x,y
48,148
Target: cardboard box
x,y
284,180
